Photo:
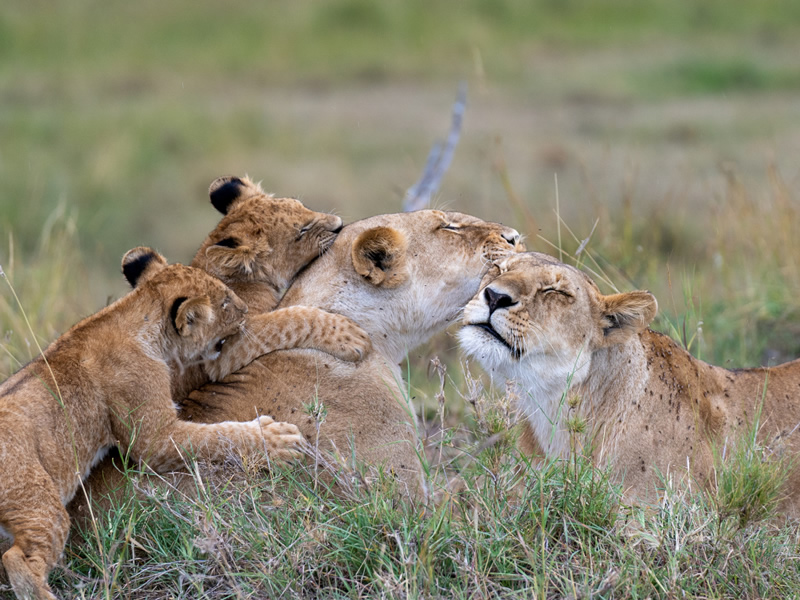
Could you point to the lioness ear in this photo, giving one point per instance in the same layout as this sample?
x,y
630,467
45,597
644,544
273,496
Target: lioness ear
x,y
626,314
141,263
227,190
379,256
188,313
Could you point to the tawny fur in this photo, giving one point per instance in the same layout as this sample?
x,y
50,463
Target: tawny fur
x,y
652,409
106,382
257,249
434,261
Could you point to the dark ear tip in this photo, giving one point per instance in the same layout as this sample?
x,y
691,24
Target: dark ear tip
x,y
173,311
136,261
223,191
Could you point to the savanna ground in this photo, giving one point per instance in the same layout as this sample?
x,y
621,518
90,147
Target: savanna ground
x,y
667,132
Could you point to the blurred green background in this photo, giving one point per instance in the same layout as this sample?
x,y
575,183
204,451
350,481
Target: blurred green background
x,y
675,125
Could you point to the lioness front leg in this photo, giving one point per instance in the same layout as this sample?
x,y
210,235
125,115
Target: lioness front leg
x,y
288,328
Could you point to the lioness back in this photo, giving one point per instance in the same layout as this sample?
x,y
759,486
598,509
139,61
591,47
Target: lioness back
x,y
107,382
651,407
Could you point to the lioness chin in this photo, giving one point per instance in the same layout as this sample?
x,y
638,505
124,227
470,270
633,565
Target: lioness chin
x,y
651,408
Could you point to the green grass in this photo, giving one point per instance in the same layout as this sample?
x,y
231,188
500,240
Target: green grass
x,y
673,125
510,530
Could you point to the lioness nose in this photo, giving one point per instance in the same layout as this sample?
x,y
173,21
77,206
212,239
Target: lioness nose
x,y
496,299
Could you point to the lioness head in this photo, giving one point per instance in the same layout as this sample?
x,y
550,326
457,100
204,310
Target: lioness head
x,y
402,277
535,317
262,238
198,311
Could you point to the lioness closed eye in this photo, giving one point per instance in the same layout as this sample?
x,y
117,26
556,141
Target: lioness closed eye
x,y
649,405
107,382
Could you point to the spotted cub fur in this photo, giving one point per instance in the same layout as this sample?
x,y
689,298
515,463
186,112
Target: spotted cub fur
x,y
107,382
257,249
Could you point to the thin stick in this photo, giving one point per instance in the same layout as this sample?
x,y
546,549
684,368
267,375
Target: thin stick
x,y
419,195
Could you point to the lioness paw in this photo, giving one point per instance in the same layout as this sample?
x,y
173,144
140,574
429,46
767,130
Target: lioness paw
x,y
283,440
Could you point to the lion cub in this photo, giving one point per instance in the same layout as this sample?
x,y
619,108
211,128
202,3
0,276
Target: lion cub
x,y
107,382
257,249
650,407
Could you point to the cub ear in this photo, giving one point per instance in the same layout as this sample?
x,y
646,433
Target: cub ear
x,y
189,313
226,191
379,256
140,264
625,315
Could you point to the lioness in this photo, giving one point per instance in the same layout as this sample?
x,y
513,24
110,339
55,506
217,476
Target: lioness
x,y
402,278
106,382
649,405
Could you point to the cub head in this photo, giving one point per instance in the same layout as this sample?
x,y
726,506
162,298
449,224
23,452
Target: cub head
x,y
262,239
197,311
403,277
535,312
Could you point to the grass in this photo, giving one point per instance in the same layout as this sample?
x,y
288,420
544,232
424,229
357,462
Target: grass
x,y
125,113
510,530
672,130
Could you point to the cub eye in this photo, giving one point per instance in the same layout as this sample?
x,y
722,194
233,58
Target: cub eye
x,y
225,303
228,242
450,226
305,229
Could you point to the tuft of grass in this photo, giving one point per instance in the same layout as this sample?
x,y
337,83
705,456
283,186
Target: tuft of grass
x,y
750,482
699,76
53,285
750,477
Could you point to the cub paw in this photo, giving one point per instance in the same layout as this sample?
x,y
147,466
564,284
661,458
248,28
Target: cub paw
x,y
350,343
283,440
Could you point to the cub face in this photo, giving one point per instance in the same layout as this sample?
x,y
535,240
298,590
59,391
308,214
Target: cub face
x,y
202,311
261,238
532,310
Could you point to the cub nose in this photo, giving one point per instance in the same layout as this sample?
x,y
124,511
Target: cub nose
x,y
495,300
